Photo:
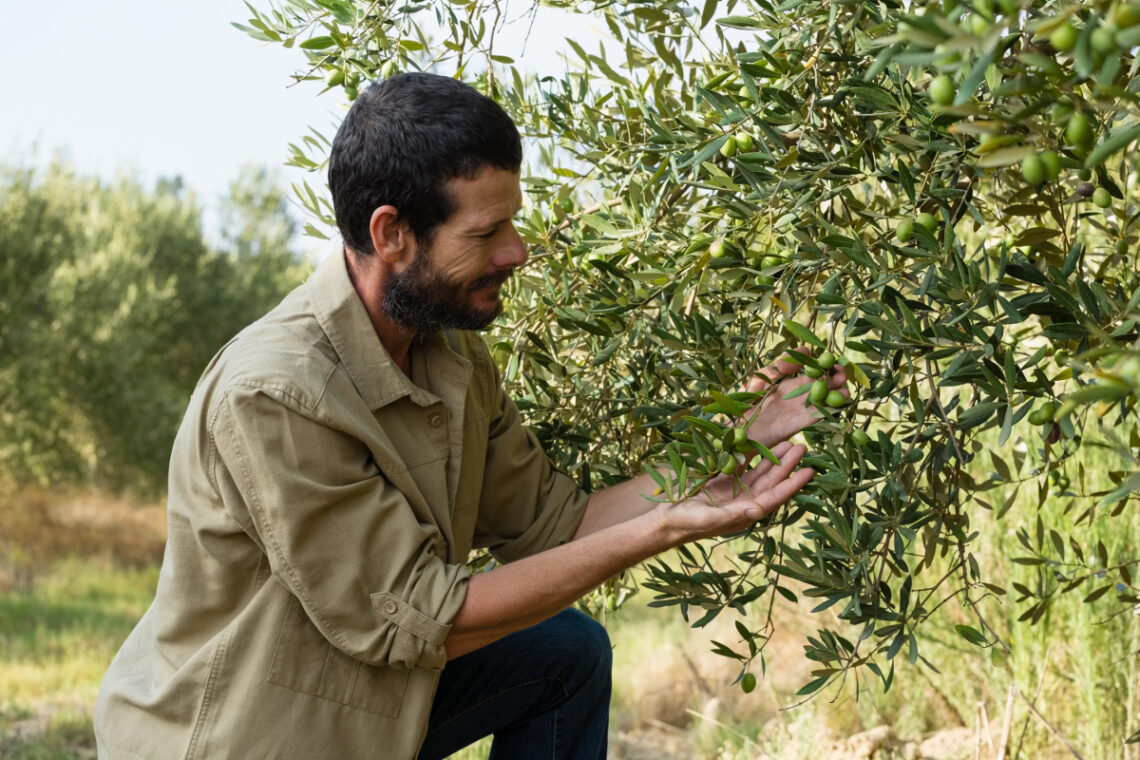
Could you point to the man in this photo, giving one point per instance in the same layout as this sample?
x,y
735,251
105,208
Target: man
x,y
341,457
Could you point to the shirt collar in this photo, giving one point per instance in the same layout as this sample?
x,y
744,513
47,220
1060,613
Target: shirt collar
x,y
342,316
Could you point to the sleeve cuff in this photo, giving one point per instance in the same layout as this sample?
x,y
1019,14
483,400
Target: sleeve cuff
x,y
416,639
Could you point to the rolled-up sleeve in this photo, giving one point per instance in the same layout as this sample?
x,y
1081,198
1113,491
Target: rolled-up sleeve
x,y
527,504
367,570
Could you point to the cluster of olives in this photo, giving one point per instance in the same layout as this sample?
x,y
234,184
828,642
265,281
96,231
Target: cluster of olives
x,y
905,230
740,142
1107,37
735,442
1117,30
338,74
819,393
1043,414
1061,482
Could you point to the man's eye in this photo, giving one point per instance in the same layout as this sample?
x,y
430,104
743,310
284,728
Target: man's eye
x,y
487,235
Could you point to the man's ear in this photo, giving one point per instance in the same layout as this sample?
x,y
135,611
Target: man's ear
x,y
390,235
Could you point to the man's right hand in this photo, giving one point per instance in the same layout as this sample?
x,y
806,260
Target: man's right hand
x,y
718,510
625,528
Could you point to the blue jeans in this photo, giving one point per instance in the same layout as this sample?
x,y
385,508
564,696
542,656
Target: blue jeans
x,y
544,692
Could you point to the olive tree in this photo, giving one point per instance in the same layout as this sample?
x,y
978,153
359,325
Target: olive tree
x,y
941,197
111,303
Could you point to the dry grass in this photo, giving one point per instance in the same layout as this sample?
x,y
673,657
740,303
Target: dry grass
x,y
76,569
676,700
42,526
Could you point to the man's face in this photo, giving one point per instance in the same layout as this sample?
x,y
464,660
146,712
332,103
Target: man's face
x,y
455,283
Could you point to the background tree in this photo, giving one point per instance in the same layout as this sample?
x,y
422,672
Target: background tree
x,y
940,195
112,304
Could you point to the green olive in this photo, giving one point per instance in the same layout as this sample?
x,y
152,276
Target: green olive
x,y
826,360
1043,413
1064,37
927,220
905,231
747,683
1052,164
818,392
1126,15
744,141
859,437
942,90
1078,132
813,371
1101,197
729,148
835,399
1103,40
1033,169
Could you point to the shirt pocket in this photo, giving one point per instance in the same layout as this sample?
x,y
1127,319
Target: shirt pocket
x,y
306,662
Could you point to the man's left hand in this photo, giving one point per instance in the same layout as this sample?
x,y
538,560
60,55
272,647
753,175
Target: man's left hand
x,y
779,418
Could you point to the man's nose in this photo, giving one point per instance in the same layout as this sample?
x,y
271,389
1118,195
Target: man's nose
x,y
512,252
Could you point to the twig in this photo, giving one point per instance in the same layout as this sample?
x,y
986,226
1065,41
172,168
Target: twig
x,y
1036,694
570,219
1006,723
1052,730
978,732
984,728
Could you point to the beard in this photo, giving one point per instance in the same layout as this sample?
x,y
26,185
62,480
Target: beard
x,y
422,299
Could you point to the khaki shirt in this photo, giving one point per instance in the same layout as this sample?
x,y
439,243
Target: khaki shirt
x,y
321,507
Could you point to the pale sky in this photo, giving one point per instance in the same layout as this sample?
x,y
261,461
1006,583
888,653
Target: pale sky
x,y
161,88
171,88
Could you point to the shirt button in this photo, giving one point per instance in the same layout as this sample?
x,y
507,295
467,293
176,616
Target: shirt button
x,y
390,607
435,420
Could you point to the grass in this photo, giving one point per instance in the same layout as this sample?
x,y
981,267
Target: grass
x,y
58,637
74,579
76,572
65,736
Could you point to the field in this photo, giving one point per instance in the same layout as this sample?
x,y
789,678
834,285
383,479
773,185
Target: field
x,y
76,571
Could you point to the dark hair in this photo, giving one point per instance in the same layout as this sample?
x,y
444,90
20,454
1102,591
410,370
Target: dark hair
x,y
401,140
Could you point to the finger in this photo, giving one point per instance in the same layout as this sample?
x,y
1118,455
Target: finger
x,y
776,474
775,372
764,465
838,382
768,500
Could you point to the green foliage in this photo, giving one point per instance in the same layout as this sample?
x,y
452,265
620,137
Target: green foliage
x,y
56,640
112,304
867,216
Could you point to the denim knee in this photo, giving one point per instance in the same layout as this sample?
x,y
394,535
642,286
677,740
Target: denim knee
x,y
582,641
